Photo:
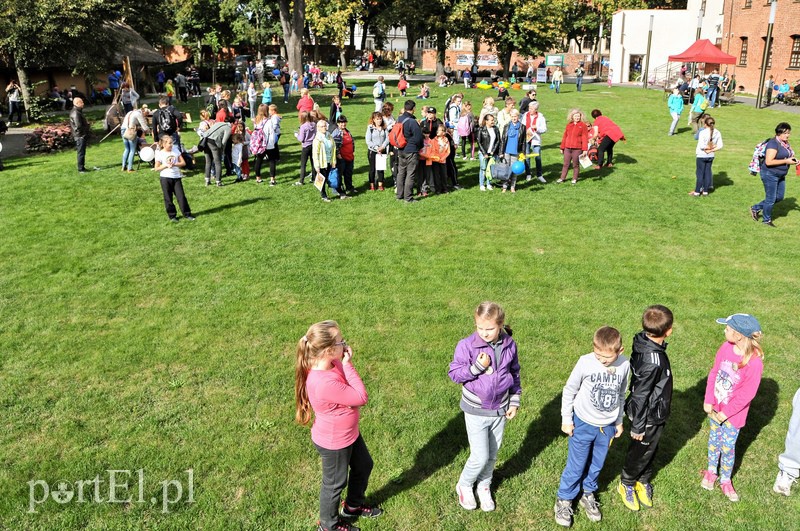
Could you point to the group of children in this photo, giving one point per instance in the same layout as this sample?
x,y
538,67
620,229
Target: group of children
x,y
487,366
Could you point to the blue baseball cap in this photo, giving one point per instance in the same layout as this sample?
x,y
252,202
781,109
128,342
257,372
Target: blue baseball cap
x,y
744,323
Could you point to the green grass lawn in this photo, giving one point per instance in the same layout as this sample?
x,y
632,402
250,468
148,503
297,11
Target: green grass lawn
x,y
130,343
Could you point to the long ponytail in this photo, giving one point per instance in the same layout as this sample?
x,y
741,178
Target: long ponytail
x,y
319,338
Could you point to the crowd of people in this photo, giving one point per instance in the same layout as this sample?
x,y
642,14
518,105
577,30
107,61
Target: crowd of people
x,y
603,386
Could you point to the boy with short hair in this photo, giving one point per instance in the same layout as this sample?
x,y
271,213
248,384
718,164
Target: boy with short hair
x,y
591,414
647,406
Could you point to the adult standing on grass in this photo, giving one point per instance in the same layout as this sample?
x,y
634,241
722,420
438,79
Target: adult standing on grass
x,y
709,141
535,127
379,93
377,144
408,156
489,147
80,132
778,156
327,383
285,82
606,133
675,106
574,143
558,78
252,99
306,102
305,135
132,125
169,162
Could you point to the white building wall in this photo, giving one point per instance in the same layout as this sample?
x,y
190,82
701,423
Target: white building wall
x,y
673,31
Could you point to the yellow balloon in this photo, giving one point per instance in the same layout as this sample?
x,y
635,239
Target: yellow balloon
x,y
522,156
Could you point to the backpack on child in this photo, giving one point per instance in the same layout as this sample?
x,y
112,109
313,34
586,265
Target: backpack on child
x,y
397,137
166,121
759,154
258,140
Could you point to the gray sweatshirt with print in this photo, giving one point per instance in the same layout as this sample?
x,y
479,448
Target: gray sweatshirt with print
x,y
595,393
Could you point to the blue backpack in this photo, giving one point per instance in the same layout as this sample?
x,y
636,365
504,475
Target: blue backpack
x,y
333,178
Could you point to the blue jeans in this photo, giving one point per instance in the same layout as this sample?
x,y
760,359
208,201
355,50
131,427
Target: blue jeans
x,y
558,86
712,96
485,436
704,181
482,172
579,82
587,446
774,189
129,152
536,151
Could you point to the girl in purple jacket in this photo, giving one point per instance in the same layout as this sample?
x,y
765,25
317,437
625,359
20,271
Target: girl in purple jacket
x,y
487,366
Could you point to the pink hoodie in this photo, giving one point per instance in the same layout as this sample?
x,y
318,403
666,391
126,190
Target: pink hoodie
x,y
729,390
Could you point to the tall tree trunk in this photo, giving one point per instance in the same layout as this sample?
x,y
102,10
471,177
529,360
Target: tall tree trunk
x,y
364,30
505,61
293,22
476,47
441,51
411,37
24,85
353,33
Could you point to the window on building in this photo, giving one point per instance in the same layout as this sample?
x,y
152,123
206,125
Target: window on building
x,y
457,44
748,4
769,54
794,58
743,53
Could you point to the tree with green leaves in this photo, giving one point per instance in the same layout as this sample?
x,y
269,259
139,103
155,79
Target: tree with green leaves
x,y
331,20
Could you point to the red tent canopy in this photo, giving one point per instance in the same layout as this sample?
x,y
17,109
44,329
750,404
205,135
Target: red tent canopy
x,y
703,51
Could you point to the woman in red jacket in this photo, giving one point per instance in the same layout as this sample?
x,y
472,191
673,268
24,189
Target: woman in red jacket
x,y
606,133
574,143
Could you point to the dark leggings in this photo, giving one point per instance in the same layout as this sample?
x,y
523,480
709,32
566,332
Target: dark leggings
x,y
305,156
259,161
606,146
374,175
471,139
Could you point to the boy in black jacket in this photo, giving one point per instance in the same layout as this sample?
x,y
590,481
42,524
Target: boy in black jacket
x,y
647,405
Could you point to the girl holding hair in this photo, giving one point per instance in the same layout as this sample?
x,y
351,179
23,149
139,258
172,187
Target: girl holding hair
x,y
377,143
327,383
305,135
323,157
466,130
732,384
709,141
574,143
168,162
335,111
488,148
487,366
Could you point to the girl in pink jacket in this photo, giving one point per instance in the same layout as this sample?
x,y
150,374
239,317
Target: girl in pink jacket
x,y
327,384
731,387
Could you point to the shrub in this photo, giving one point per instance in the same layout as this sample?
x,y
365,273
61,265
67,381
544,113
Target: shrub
x,y
50,138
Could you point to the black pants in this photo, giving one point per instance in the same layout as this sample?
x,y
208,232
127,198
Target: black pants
x,y
174,187
272,166
375,176
436,175
335,465
345,168
213,156
639,459
406,170
606,146
305,156
80,146
452,170
15,107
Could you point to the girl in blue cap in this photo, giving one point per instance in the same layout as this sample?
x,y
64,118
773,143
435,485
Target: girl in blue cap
x,y
731,387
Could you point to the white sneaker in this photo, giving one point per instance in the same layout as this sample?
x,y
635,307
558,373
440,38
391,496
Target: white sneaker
x,y
783,483
542,179
528,178
483,188
488,186
463,158
485,496
466,498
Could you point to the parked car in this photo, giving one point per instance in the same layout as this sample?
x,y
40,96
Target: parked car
x,y
271,62
240,62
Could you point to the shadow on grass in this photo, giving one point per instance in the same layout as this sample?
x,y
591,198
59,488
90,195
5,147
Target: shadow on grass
x,y
685,421
762,409
784,207
222,208
541,432
437,453
721,179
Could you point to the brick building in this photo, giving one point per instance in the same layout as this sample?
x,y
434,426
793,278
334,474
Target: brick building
x,y
745,35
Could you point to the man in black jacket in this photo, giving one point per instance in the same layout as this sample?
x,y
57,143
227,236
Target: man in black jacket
x,y
167,121
408,157
80,132
647,405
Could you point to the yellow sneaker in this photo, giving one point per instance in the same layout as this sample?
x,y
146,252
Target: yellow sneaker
x,y
644,491
628,496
